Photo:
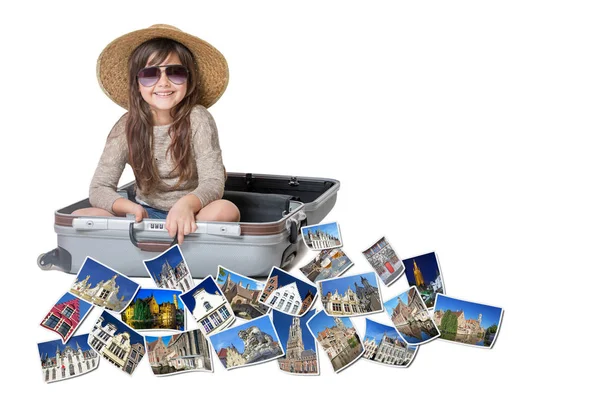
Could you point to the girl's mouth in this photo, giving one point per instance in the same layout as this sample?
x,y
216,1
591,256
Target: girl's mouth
x,y
164,94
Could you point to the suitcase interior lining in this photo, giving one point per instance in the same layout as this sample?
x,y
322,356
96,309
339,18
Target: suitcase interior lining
x,y
254,207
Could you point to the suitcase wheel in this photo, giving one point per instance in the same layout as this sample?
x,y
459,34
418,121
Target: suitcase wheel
x,y
42,263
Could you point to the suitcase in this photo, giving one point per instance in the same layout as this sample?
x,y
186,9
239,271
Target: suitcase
x,y
273,209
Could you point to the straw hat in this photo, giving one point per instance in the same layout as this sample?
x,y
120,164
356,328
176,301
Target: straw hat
x,y
113,74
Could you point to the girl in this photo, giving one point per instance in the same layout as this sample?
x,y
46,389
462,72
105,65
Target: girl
x,y
168,137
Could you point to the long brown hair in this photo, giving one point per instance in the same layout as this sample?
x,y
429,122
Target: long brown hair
x,y
139,125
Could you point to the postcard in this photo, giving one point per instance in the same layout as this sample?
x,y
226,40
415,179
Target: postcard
x,y
170,271
122,346
155,309
103,286
242,293
62,361
66,315
175,354
253,342
209,307
338,338
288,294
351,296
411,317
384,261
465,322
384,345
424,273
300,348
322,236
327,264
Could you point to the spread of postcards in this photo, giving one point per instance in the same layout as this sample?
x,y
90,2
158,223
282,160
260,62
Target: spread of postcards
x,y
181,324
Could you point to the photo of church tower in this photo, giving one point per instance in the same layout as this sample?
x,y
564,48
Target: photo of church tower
x,y
170,271
351,295
424,273
103,286
63,361
298,344
66,315
155,309
288,294
384,261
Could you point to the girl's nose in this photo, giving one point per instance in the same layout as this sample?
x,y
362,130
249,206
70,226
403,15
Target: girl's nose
x,y
163,80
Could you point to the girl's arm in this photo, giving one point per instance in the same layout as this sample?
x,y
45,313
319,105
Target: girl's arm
x,y
209,162
103,188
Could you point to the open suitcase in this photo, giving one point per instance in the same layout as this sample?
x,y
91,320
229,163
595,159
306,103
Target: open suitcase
x,y
273,209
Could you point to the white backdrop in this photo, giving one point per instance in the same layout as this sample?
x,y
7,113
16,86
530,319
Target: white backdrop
x,y
461,127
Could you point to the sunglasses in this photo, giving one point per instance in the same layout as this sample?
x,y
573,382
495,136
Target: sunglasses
x,y
176,73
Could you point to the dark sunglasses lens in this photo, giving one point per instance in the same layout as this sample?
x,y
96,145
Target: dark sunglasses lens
x,y
177,74
149,76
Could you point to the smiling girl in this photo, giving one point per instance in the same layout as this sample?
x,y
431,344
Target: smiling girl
x,y
166,79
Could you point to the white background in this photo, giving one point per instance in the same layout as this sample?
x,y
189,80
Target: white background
x,y
461,127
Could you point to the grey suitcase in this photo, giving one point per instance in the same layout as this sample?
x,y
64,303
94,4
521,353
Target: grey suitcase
x,y
273,209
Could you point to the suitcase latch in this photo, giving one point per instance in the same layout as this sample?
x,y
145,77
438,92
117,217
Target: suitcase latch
x,y
293,181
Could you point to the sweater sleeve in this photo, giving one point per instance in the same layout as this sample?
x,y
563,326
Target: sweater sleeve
x,y
209,162
103,188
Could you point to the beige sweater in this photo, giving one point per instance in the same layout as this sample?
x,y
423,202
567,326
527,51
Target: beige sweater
x,y
208,180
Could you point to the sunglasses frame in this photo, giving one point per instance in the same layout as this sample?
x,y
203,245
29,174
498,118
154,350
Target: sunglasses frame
x,y
160,68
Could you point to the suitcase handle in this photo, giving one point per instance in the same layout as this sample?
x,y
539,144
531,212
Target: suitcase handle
x,y
150,246
294,229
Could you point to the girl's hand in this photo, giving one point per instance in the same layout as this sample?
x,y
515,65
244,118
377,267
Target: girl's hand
x,y
181,219
123,207
139,212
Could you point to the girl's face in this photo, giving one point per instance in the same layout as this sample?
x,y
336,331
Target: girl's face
x,y
164,95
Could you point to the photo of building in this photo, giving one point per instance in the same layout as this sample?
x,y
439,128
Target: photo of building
x,y
351,295
209,307
170,271
338,338
323,236
327,264
63,361
384,261
242,293
411,317
118,343
182,352
155,309
298,344
253,342
66,315
103,286
288,294
465,322
424,273
385,346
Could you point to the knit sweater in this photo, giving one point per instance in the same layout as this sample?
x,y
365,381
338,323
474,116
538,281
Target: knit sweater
x,y
208,179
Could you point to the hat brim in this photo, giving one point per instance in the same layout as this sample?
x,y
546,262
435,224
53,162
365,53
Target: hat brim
x,y
112,66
